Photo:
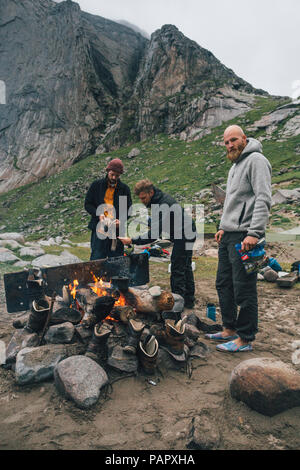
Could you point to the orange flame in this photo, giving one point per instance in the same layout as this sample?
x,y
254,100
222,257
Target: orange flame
x,y
100,288
72,288
121,302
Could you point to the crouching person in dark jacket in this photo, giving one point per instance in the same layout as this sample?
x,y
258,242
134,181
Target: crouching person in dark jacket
x,y
108,201
167,216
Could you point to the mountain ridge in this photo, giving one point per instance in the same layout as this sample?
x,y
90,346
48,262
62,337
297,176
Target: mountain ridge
x,y
85,84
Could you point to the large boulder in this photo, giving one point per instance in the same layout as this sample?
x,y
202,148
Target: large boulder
x,y
35,365
266,385
80,379
55,260
32,251
18,237
7,256
11,243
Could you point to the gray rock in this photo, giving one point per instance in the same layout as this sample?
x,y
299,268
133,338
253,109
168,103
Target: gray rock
x,y
270,275
282,196
11,243
20,340
204,433
273,118
84,333
296,344
31,251
55,260
155,291
64,314
122,361
134,153
60,334
191,331
296,357
179,303
7,256
200,350
80,379
35,365
22,264
292,127
18,237
266,385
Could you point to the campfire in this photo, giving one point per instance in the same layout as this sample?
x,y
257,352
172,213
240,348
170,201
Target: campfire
x,y
101,316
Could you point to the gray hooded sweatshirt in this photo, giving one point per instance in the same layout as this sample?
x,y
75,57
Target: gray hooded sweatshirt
x,y
248,193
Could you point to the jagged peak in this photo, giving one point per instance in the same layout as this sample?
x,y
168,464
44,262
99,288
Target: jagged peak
x,y
166,30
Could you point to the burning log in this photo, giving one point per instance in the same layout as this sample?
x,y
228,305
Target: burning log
x,y
144,302
123,313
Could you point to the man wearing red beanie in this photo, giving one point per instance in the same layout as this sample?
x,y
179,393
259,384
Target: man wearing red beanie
x,y
102,202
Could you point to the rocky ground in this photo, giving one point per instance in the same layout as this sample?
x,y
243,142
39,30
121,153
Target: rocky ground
x,y
179,409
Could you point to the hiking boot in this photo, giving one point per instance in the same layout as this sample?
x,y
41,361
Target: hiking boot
x,y
103,307
172,336
135,330
36,289
100,335
147,353
171,315
188,303
38,315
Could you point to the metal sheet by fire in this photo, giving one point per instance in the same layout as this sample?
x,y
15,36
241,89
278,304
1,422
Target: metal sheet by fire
x,y
18,294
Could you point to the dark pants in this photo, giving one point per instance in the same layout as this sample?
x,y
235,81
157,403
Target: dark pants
x,y
235,287
101,249
182,276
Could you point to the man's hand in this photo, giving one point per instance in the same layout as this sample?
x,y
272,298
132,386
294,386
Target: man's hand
x,y
125,241
219,235
249,243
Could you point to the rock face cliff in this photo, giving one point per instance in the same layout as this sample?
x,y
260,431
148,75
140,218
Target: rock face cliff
x,y
78,83
67,74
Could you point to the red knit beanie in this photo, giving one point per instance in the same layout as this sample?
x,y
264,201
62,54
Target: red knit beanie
x,y
115,165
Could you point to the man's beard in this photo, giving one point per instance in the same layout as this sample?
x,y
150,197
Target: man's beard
x,y
112,183
234,154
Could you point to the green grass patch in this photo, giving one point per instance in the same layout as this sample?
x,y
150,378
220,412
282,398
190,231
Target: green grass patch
x,y
55,205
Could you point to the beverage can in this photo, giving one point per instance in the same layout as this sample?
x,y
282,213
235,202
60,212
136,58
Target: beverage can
x,y
211,312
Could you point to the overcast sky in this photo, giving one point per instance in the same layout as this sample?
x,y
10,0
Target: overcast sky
x,y
258,39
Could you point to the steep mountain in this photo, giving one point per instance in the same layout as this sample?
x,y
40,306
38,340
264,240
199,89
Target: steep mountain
x,y
79,84
180,87
67,74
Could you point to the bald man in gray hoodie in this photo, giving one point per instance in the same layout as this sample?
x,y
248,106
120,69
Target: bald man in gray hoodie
x,y
244,220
